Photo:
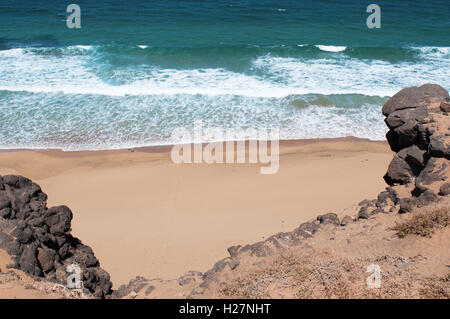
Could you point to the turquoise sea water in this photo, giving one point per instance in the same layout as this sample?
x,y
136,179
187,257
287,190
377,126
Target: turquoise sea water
x,y
136,70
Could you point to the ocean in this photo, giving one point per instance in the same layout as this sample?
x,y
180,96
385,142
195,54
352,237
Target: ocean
x,y
137,70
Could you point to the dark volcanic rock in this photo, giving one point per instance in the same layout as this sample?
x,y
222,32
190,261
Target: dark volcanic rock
x,y
363,214
403,136
407,111
233,250
398,172
433,171
438,147
398,118
444,190
419,134
135,285
38,239
5,212
46,258
189,277
4,200
28,261
58,219
413,97
426,198
415,157
405,165
330,218
307,229
445,106
407,205
386,196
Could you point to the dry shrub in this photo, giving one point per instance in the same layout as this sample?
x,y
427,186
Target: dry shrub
x,y
321,275
285,267
424,221
307,273
436,288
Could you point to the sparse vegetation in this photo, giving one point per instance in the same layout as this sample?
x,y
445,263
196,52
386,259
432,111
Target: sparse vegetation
x,y
309,273
436,288
322,275
424,221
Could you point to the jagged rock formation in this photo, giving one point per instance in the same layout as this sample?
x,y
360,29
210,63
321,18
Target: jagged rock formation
x,y
419,134
39,240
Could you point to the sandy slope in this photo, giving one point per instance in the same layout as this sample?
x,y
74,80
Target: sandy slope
x,y
332,263
144,215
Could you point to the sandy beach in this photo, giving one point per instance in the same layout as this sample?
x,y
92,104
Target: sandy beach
x,y
144,215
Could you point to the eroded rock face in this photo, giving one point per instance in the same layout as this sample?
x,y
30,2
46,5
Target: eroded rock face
x,y
409,116
419,134
39,240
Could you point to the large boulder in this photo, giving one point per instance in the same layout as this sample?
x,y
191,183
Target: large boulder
x,y
418,122
330,218
408,110
58,219
399,171
405,165
444,190
428,95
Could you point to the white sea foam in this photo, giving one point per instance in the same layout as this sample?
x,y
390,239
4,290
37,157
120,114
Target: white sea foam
x,y
86,122
68,99
12,53
440,54
331,48
328,76
269,76
83,47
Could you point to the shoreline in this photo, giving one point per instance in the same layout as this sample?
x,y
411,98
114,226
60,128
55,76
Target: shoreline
x,y
163,148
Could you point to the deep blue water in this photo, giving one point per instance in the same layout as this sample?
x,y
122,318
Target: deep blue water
x,y
138,69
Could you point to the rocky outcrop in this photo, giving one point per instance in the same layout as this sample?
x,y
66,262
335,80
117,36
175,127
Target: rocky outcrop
x,y
418,174
409,114
39,240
